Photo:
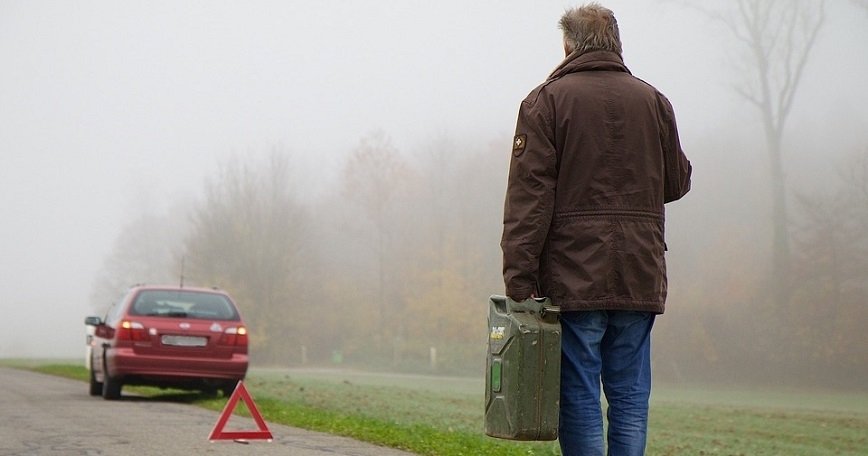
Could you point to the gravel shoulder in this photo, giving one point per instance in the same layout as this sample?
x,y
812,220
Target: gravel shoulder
x,y
47,415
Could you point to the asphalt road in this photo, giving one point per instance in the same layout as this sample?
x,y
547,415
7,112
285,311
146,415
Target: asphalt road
x,y
46,415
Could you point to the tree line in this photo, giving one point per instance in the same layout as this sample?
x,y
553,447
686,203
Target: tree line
x,y
400,256
398,259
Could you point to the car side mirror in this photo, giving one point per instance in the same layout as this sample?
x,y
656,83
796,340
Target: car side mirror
x,y
93,321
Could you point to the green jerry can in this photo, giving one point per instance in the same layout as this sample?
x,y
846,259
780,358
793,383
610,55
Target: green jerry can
x,y
523,381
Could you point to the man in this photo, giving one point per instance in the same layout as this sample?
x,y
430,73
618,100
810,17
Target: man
x,y
595,156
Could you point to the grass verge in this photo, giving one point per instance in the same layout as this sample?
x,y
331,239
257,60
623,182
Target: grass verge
x,y
448,421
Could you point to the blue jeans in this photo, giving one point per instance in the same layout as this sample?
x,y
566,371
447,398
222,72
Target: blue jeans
x,y
615,347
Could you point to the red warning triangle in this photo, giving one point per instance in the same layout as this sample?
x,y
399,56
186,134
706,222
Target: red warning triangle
x,y
240,393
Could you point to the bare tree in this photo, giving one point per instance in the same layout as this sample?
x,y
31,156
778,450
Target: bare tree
x,y
144,252
777,38
371,178
249,236
854,178
828,305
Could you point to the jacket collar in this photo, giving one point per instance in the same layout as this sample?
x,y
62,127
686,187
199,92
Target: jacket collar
x,y
590,61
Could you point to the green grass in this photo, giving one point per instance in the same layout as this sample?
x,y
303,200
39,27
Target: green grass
x,y
62,370
676,429
443,416
411,418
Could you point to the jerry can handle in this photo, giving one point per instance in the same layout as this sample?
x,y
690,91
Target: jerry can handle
x,y
503,304
547,310
553,310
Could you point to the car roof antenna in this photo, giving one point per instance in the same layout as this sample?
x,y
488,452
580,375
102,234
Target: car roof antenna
x,y
182,272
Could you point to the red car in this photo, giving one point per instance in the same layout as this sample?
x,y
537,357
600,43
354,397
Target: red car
x,y
188,338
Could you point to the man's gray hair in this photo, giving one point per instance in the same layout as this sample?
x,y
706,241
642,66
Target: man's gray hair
x,y
590,28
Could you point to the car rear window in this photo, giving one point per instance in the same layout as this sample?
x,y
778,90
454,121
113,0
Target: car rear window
x,y
183,304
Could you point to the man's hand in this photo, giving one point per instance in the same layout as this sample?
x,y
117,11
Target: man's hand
x,y
520,298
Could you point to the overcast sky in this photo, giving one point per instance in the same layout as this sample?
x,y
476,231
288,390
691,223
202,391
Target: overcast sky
x,y
110,107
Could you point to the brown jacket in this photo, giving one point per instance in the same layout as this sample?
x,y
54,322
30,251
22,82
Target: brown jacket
x,y
595,156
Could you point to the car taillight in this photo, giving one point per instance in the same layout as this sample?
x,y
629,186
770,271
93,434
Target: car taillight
x,y
132,330
236,335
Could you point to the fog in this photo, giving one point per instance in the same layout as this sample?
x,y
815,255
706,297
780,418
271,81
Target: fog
x,y
112,110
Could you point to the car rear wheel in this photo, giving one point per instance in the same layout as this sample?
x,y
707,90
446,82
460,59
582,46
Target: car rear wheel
x,y
229,387
111,387
209,391
95,386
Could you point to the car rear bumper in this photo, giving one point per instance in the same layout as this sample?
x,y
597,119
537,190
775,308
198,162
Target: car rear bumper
x,y
123,363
